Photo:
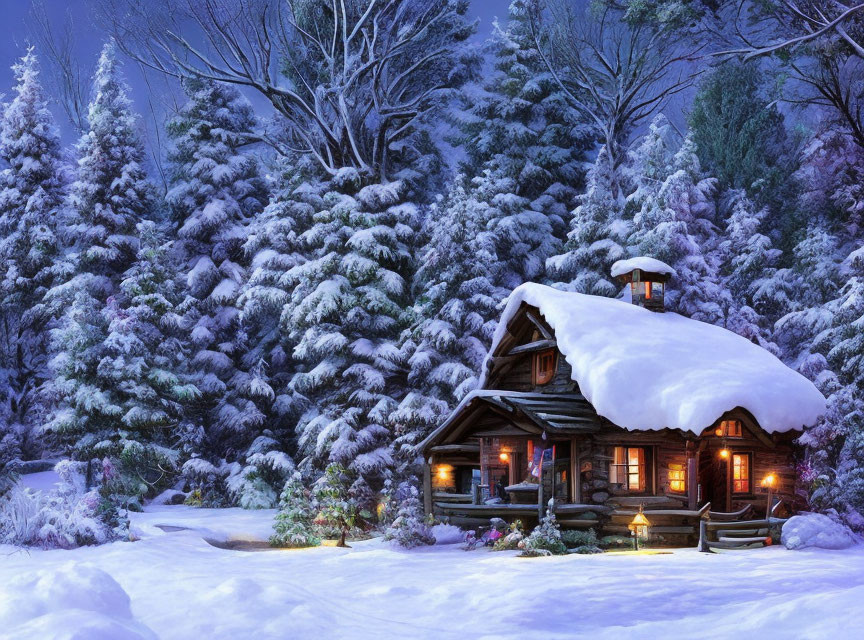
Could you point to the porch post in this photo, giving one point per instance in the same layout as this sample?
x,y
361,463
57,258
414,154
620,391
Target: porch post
x,y
427,485
692,477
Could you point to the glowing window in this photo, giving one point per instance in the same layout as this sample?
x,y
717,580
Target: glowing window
x,y
544,366
740,473
677,478
729,429
628,468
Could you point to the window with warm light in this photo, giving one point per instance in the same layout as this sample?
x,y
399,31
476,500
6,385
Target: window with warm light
x,y
728,429
740,473
628,468
544,366
677,478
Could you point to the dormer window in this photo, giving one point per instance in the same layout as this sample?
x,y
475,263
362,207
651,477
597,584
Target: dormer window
x,y
544,366
728,429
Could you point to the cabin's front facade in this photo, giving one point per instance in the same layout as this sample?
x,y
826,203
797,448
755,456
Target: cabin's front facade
x,y
529,434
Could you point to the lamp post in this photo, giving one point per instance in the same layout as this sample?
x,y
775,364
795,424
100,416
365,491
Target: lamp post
x,y
639,528
769,482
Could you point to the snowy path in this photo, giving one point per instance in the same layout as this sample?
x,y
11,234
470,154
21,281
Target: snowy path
x,y
182,587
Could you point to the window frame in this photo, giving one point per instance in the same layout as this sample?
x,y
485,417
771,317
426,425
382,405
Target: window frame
x,y
682,480
623,470
723,431
535,367
748,457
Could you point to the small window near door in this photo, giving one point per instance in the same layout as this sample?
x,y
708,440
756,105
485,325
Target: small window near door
x,y
677,479
741,473
628,468
728,429
544,366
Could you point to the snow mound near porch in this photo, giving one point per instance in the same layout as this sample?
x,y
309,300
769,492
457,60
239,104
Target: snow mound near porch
x,y
647,370
815,530
74,602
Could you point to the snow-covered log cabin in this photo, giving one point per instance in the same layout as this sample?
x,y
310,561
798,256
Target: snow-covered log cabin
x,y
609,404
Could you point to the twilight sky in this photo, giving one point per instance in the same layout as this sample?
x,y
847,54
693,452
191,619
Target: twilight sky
x,y
14,37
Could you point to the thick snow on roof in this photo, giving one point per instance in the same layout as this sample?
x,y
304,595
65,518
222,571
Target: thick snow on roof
x,y
644,263
647,370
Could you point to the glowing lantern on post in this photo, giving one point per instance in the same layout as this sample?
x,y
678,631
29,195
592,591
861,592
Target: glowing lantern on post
x,y
639,528
769,482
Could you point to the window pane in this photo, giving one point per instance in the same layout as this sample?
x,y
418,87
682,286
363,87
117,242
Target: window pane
x,y
740,473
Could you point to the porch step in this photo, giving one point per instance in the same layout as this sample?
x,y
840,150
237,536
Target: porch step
x,y
742,540
673,530
741,533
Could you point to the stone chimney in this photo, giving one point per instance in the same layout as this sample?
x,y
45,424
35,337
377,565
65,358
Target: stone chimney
x,y
647,278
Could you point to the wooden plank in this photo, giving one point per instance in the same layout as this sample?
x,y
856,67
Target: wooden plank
x,y
743,524
741,533
578,524
540,326
427,486
537,345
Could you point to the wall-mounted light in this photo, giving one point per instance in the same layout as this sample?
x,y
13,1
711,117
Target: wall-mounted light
x,y
724,453
504,456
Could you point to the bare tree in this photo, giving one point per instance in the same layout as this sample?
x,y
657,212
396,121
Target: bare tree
x,y
823,41
67,76
616,71
352,78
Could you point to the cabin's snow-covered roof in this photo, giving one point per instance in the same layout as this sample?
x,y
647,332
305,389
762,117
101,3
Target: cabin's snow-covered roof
x,y
646,370
652,265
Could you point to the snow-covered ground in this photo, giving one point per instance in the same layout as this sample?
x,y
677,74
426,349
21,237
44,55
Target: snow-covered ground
x,y
180,586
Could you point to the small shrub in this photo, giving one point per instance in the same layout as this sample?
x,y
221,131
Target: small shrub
x,y
409,529
578,538
293,526
510,542
545,540
616,542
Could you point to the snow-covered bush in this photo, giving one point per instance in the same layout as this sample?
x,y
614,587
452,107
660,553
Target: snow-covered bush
x,y
816,530
257,484
294,521
207,482
67,517
581,541
409,529
447,534
545,540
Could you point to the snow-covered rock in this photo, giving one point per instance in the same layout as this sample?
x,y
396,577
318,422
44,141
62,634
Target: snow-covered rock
x,y
74,601
647,370
816,530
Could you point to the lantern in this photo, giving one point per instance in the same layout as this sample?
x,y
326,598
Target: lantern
x,y
504,456
724,453
639,528
769,482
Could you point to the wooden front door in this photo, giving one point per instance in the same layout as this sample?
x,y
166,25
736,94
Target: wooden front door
x,y
713,480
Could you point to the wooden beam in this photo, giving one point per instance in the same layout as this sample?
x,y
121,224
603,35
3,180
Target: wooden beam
x,y
540,326
427,486
537,345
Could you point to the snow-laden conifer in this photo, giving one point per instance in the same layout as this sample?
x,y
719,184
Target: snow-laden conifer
x,y
216,189
31,193
409,529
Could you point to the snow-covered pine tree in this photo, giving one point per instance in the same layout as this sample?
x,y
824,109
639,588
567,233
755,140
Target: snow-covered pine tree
x,y
31,194
594,243
456,310
836,445
274,247
120,365
409,529
526,152
675,224
748,262
293,527
216,189
347,310
110,195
